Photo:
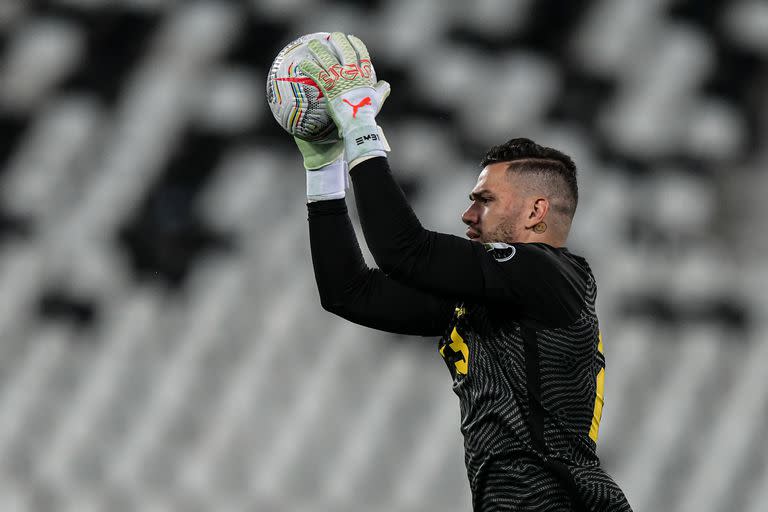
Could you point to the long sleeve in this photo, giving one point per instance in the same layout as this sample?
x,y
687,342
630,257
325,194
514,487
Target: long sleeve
x,y
360,294
538,278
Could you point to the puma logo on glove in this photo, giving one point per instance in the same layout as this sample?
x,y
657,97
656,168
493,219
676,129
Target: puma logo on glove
x,y
365,101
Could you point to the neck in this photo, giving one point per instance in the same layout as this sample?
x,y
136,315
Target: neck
x,y
544,238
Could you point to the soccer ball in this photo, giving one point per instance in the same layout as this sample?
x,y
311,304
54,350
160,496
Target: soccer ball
x,y
295,99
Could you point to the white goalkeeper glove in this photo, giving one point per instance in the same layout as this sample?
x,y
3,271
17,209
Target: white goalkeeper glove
x,y
353,97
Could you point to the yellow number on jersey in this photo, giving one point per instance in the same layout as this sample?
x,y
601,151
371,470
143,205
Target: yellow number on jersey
x,y
598,412
458,345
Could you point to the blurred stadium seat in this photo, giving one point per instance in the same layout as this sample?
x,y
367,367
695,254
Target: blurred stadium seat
x,y
162,345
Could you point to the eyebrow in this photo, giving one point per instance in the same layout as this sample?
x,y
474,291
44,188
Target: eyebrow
x,y
479,193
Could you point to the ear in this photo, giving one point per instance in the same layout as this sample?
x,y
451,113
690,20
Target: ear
x,y
537,211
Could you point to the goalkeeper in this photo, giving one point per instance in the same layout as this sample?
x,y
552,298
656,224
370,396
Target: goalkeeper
x,y
513,308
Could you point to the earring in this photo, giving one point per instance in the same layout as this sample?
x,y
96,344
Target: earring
x,y
540,228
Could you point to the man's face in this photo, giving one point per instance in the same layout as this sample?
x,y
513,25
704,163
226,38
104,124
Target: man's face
x,y
496,211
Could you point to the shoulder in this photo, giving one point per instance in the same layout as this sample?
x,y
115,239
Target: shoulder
x,y
560,259
561,279
538,255
548,284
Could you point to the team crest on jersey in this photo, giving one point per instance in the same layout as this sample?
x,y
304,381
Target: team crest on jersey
x,y
500,251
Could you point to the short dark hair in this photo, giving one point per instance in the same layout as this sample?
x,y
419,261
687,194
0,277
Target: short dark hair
x,y
526,156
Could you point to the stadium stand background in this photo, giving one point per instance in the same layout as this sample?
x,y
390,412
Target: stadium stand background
x,y
162,345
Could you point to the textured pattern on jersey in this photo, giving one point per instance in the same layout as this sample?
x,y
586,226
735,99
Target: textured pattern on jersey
x,y
519,485
509,467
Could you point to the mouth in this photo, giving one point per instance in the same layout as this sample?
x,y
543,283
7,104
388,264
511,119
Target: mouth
x,y
472,235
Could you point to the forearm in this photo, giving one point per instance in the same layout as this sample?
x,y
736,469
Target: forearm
x,y
392,230
402,247
336,257
366,296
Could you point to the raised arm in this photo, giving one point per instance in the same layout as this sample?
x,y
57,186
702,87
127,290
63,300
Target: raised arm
x,y
529,275
360,294
440,264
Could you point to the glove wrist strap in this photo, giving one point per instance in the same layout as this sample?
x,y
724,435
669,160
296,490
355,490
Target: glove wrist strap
x,y
364,142
328,182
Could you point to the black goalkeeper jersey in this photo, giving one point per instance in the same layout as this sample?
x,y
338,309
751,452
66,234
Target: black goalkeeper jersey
x,y
531,399
518,332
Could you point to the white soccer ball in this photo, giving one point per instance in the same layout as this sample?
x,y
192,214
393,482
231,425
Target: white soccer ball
x,y
296,101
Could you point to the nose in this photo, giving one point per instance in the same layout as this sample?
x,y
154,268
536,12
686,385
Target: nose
x,y
470,215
